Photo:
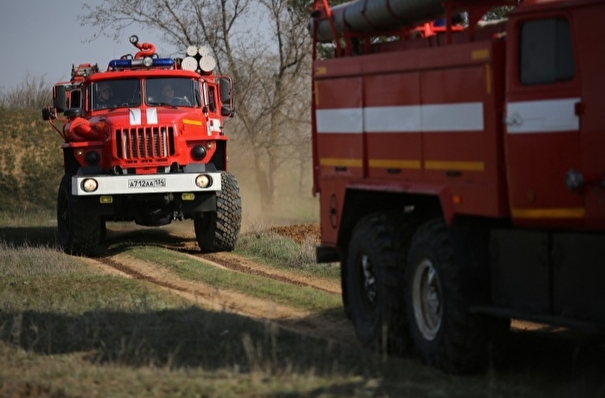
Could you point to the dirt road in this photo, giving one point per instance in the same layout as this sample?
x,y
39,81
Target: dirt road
x,y
223,300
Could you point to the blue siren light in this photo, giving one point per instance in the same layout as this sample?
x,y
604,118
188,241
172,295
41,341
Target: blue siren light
x,y
119,63
166,62
129,63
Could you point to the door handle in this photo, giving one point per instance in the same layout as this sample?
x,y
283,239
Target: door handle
x,y
514,120
574,180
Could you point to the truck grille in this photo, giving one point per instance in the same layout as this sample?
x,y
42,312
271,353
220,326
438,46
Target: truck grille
x,y
145,143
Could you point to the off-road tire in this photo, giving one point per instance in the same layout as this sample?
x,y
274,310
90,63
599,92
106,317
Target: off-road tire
x,y
218,231
78,233
374,279
446,334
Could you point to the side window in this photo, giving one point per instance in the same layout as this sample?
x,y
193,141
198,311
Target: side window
x,y
75,99
546,53
197,101
212,98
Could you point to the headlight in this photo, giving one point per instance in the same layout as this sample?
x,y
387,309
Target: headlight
x,y
203,181
90,185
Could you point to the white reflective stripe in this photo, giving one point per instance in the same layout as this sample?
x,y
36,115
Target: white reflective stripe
x,y
393,119
115,185
452,117
135,116
544,116
152,115
402,119
346,120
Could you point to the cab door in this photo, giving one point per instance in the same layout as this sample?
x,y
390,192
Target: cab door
x,y
592,110
543,107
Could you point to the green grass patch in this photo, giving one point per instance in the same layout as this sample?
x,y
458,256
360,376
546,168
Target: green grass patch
x,y
186,267
28,271
18,218
281,252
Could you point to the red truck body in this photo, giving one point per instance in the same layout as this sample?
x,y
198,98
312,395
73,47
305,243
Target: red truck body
x,y
487,138
144,142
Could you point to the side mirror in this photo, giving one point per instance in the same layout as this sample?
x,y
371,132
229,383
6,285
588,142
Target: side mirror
x,y
60,98
226,93
48,113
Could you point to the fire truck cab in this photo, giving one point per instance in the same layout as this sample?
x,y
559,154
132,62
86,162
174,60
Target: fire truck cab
x,y
145,142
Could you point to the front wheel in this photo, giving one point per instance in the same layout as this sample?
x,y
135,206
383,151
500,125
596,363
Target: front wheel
x,y
79,233
218,231
373,286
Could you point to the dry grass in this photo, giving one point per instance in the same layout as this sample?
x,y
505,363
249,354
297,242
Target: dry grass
x,y
72,332
31,162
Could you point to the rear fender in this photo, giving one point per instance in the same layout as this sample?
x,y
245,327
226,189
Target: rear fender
x,y
363,199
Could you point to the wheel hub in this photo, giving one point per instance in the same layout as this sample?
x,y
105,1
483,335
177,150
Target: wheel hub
x,y
369,278
427,299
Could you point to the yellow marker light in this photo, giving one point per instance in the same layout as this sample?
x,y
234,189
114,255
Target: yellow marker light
x,y
187,196
106,199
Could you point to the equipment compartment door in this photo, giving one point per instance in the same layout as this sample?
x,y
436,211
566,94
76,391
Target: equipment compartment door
x,y
339,126
542,123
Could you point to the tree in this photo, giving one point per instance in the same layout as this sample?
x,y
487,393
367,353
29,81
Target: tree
x,y
270,67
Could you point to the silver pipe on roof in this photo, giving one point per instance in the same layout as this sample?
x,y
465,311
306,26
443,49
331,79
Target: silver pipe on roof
x,y
378,15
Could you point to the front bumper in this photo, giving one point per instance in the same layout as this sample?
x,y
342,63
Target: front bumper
x,y
145,184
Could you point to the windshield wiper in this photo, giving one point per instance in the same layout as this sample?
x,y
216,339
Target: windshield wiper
x,y
123,105
163,104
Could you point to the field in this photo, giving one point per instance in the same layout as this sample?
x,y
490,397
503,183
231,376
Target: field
x,y
153,317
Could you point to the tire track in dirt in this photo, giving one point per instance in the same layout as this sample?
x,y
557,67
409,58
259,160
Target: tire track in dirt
x,y
237,263
188,245
209,297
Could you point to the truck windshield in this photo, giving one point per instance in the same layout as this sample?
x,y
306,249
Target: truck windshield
x,y
116,93
172,91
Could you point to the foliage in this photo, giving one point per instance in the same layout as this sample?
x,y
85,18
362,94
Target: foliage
x,y
32,93
31,162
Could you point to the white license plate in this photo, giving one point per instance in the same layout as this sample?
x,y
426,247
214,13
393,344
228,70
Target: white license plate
x,y
154,183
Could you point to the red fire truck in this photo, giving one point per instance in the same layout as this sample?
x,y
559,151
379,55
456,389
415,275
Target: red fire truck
x,y
144,142
459,167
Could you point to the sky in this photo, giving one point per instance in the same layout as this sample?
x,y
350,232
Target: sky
x,y
43,38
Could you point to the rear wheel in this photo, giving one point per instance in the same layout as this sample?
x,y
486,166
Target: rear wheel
x,y
79,233
218,231
445,333
373,286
